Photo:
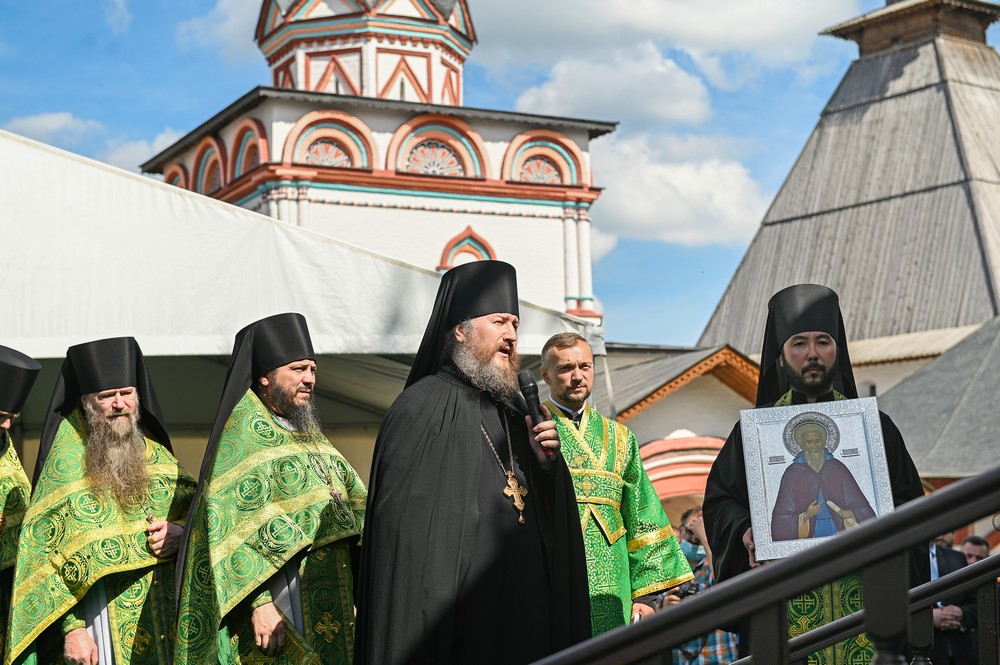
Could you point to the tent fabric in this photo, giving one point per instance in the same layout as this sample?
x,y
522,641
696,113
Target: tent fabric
x,y
101,252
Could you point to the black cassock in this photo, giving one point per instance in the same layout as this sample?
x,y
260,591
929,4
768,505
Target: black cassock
x,y
448,575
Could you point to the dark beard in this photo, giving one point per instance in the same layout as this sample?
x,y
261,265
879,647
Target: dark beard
x,y
796,381
476,362
304,418
115,457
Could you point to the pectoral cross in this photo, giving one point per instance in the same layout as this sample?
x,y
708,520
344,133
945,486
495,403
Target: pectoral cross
x,y
517,493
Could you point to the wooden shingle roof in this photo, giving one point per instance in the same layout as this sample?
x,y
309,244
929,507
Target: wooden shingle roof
x,y
947,410
894,202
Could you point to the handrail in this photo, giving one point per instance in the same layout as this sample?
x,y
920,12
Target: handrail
x,y
921,597
874,541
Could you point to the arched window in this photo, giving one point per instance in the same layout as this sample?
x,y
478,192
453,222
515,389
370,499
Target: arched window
x,y
434,158
466,247
540,170
213,178
330,139
328,152
251,159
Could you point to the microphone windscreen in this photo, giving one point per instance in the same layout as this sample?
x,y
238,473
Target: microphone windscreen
x,y
526,379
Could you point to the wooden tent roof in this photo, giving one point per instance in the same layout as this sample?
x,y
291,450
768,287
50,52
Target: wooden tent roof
x,y
947,410
895,200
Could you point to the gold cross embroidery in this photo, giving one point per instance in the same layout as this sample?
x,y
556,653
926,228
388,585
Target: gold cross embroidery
x,y
586,485
328,628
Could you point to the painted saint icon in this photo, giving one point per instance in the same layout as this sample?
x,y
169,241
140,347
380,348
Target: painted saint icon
x,y
817,496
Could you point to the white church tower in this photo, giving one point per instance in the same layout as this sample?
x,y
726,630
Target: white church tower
x,y
362,136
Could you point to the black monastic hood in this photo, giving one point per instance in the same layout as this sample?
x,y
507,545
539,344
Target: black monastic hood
x,y
260,347
17,375
466,292
103,364
796,309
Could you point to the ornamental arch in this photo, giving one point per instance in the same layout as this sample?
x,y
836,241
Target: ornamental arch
x,y
332,139
542,156
209,166
438,145
250,147
177,176
466,247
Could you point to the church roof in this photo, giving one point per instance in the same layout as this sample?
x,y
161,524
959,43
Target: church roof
x,y
358,105
639,386
894,202
947,410
908,346
910,20
278,15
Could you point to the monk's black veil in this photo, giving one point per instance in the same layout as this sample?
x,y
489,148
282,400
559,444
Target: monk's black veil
x,y
92,367
423,518
798,309
259,348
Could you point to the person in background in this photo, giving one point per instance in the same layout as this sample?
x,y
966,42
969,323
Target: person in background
x,y
17,375
632,552
717,647
975,548
94,578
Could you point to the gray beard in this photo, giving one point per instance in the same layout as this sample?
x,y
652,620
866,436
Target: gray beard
x,y
304,418
115,457
816,460
477,366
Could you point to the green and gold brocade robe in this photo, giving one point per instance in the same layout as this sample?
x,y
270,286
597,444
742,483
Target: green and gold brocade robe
x,y
827,603
15,491
74,539
267,499
631,548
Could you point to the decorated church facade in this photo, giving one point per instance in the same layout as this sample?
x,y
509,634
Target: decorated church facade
x,y
362,136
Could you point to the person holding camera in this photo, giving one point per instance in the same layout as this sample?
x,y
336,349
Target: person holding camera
x,y
717,647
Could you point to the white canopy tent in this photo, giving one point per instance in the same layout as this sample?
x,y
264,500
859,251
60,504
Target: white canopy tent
x,y
94,251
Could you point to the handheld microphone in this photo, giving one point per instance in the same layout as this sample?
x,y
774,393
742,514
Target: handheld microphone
x,y
526,379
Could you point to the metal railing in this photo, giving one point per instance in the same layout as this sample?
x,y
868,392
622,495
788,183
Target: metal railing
x,y
980,576
880,549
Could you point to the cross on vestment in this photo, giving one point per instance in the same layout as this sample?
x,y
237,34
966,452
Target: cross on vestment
x,y
515,491
328,628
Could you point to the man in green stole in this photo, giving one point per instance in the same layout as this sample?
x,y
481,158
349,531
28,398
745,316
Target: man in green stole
x,y
804,359
632,551
17,375
94,579
278,514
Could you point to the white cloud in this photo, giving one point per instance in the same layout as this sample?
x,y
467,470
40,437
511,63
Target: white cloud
x,y
604,86
130,154
59,129
601,243
719,35
652,195
117,16
778,31
229,27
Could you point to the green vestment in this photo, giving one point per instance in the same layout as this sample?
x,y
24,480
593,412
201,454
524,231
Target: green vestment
x,y
827,603
15,491
631,548
271,496
74,539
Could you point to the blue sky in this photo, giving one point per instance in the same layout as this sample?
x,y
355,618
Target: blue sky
x,y
715,100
